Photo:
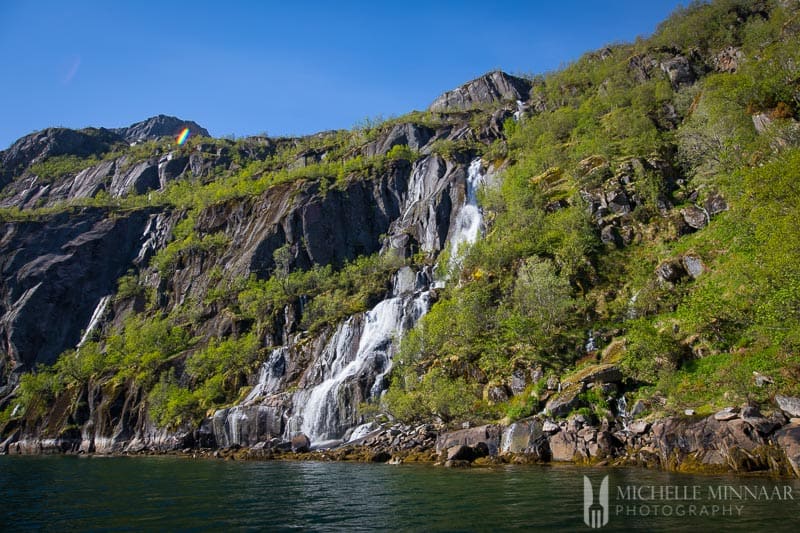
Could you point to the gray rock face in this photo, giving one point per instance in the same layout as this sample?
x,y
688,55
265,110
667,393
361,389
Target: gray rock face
x,y
159,126
54,273
679,71
493,87
789,405
527,436
245,426
54,142
411,135
788,438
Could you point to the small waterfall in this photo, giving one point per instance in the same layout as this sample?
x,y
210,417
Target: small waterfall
x,y
622,412
591,344
468,225
96,316
269,377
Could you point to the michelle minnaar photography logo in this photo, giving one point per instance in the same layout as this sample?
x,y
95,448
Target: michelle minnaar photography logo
x,y
601,503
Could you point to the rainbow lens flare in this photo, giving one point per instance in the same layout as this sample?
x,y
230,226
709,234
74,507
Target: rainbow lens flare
x,y
183,135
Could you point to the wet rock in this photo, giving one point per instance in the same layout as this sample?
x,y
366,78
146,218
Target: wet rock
x,y
460,452
138,179
789,405
457,464
694,217
729,413
564,446
525,436
301,443
380,457
638,408
553,383
62,267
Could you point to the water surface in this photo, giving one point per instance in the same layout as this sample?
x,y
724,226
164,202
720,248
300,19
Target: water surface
x,y
167,493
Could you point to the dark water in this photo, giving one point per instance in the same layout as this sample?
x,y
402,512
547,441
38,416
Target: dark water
x,y
167,494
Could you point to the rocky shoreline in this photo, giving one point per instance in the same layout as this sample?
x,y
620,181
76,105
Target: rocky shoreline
x,y
731,441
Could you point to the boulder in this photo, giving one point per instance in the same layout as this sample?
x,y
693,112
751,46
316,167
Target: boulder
x,y
789,405
729,413
301,443
694,217
715,204
489,434
525,436
639,427
788,439
565,401
693,265
564,446
550,427
460,452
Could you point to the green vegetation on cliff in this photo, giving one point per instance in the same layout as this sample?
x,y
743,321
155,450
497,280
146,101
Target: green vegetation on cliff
x,y
654,122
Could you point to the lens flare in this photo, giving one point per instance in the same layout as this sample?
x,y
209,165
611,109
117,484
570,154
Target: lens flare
x,y
183,135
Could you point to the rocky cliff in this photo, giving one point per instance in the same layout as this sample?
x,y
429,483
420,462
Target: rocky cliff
x,y
559,246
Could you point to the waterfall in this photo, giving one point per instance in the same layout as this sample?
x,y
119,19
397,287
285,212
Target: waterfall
x,y
96,316
468,225
326,412
269,377
622,412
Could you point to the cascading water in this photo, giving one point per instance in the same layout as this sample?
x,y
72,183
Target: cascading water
x,y
269,378
325,413
353,364
469,220
622,412
96,316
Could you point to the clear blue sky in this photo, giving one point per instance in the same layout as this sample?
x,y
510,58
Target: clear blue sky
x,y
289,67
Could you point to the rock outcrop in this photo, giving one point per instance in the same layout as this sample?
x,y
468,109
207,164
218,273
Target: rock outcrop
x,y
493,87
159,126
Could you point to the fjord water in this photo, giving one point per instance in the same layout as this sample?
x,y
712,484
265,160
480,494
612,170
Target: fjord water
x,y
167,493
